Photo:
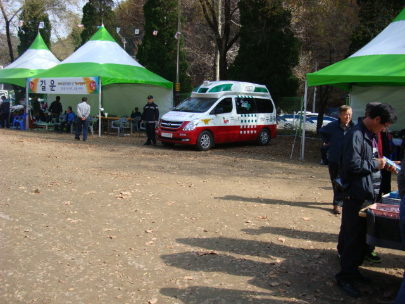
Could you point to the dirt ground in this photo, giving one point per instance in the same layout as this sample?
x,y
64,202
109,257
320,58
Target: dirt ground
x,y
112,221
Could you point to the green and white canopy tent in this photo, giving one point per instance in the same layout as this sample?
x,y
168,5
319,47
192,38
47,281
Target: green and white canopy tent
x,y
125,83
34,60
374,73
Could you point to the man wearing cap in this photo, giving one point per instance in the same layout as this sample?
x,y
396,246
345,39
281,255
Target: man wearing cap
x,y
82,122
150,116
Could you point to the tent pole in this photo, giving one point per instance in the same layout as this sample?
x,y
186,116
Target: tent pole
x,y
99,107
27,118
304,122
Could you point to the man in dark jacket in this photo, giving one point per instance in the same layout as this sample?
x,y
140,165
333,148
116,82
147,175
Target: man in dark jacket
x,y
56,110
5,112
360,170
332,135
150,116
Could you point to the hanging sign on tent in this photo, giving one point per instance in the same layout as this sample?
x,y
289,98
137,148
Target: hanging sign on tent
x,y
71,85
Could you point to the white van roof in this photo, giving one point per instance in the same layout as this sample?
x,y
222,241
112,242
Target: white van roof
x,y
217,89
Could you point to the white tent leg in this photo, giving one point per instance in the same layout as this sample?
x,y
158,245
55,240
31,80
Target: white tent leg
x,y
99,107
27,118
304,122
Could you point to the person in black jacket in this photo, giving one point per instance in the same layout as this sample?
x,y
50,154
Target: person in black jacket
x,y
360,171
332,135
5,112
56,111
150,116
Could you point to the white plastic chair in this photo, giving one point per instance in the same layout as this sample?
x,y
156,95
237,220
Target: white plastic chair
x,y
135,123
92,121
120,125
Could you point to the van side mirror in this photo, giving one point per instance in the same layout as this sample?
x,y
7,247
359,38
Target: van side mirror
x,y
218,110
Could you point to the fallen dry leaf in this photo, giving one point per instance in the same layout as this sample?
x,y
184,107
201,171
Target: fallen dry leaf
x,y
281,239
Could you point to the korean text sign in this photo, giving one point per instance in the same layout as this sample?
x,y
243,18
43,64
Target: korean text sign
x,y
73,85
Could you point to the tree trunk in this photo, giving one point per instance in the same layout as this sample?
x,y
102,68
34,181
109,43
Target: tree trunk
x,y
222,31
324,94
10,46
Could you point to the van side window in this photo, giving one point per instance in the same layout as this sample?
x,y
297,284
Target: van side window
x,y
245,105
226,105
264,105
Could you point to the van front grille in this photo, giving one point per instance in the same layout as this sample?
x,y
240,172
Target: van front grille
x,y
170,125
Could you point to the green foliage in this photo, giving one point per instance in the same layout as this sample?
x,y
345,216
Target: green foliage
x,y
268,48
96,13
32,14
75,37
374,16
158,53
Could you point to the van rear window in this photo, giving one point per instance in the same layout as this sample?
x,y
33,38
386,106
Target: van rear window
x,y
264,105
250,105
195,104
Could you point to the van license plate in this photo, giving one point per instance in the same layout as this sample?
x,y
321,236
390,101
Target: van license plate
x,y
167,134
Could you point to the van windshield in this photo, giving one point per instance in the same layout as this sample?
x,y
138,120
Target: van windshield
x,y
196,105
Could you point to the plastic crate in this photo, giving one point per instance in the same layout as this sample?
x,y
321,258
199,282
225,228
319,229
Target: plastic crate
x,y
386,210
383,231
387,199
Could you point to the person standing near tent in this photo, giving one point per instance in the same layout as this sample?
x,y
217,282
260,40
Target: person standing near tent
x,y
56,110
5,112
82,121
150,116
332,135
383,145
360,170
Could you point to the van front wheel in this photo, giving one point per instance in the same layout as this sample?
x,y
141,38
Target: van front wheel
x,y
204,141
264,137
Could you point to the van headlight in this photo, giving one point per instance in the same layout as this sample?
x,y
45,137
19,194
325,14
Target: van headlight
x,y
191,125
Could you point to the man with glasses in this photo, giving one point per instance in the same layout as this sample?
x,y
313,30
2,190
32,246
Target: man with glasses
x,y
360,170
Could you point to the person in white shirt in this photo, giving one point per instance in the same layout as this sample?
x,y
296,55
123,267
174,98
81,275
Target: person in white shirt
x,y
82,122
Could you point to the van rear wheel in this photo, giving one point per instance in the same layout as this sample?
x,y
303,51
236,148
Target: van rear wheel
x,y
204,141
264,137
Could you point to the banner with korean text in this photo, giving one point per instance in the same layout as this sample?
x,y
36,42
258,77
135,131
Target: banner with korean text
x,y
71,85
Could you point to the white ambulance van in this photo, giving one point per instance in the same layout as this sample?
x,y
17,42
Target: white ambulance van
x,y
220,112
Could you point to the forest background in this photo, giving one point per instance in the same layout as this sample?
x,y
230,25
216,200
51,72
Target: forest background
x,y
273,42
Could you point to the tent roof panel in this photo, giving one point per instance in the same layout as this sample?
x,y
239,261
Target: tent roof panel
x,y
34,59
101,52
389,41
102,57
380,62
377,69
109,73
17,76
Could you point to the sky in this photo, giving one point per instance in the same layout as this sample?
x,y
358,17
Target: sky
x,y
60,28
